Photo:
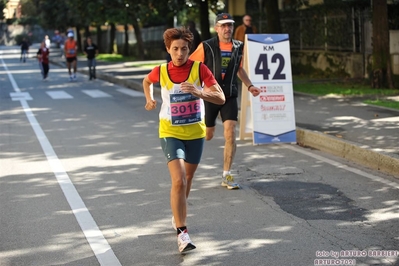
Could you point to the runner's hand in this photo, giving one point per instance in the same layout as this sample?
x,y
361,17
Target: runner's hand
x,y
151,105
187,87
254,90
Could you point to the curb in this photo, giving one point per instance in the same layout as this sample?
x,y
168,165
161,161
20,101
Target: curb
x,y
306,138
348,150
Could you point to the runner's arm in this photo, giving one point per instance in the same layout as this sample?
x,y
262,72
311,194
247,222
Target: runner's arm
x,y
212,94
150,104
242,74
212,91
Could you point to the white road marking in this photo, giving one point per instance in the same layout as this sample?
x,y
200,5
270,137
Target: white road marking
x,y
59,95
96,93
343,166
132,93
105,255
16,96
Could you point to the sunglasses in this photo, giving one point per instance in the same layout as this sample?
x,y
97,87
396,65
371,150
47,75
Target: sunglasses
x,y
228,25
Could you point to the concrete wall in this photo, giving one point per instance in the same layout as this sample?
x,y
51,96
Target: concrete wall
x,y
354,64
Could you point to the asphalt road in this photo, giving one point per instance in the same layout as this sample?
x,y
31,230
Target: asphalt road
x,y
83,182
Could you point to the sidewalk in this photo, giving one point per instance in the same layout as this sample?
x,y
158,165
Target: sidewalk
x,y
342,126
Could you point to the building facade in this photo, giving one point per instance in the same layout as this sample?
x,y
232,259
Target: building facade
x,y
12,9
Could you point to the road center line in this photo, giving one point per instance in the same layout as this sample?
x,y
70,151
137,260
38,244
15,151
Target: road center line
x,y
93,234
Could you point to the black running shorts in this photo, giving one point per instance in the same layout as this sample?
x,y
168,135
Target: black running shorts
x,y
228,111
71,59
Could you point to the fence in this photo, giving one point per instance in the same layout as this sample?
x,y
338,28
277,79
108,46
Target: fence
x,y
342,29
347,30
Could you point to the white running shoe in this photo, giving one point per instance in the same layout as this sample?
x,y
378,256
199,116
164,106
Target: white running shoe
x,y
228,181
174,223
184,242
74,77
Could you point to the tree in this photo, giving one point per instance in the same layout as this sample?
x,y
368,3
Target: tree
x,y
382,71
2,6
204,18
28,8
272,16
112,38
51,17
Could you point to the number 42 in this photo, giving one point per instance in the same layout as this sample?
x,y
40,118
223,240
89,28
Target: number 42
x,y
262,68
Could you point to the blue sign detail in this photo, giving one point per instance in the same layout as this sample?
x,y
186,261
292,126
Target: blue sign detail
x,y
268,38
261,138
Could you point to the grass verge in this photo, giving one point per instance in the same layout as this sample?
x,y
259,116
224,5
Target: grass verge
x,y
114,58
384,103
343,89
133,64
372,96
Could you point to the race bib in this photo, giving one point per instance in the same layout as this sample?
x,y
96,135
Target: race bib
x,y
185,109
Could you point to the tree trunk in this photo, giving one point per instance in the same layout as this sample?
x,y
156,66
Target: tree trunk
x,y
99,39
139,38
382,71
204,19
126,45
272,17
79,39
87,31
112,38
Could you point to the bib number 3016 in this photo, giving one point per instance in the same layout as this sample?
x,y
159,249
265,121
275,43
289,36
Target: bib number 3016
x,y
262,67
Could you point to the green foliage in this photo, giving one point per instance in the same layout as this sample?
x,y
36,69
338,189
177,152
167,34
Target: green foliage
x,y
29,8
384,103
55,14
65,14
347,88
2,6
27,21
112,58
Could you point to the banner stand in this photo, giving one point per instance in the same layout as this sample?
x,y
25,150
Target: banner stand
x,y
245,109
269,117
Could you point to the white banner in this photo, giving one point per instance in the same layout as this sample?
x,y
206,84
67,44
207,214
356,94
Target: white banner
x,y
269,68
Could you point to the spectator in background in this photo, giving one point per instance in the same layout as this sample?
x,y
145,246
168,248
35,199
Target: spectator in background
x,y
245,28
70,50
42,56
62,44
57,39
223,56
91,51
197,37
47,41
24,50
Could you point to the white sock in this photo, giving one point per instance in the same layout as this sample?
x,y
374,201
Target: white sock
x,y
226,173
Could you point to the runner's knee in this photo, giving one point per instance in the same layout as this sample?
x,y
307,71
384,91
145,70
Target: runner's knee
x,y
209,133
